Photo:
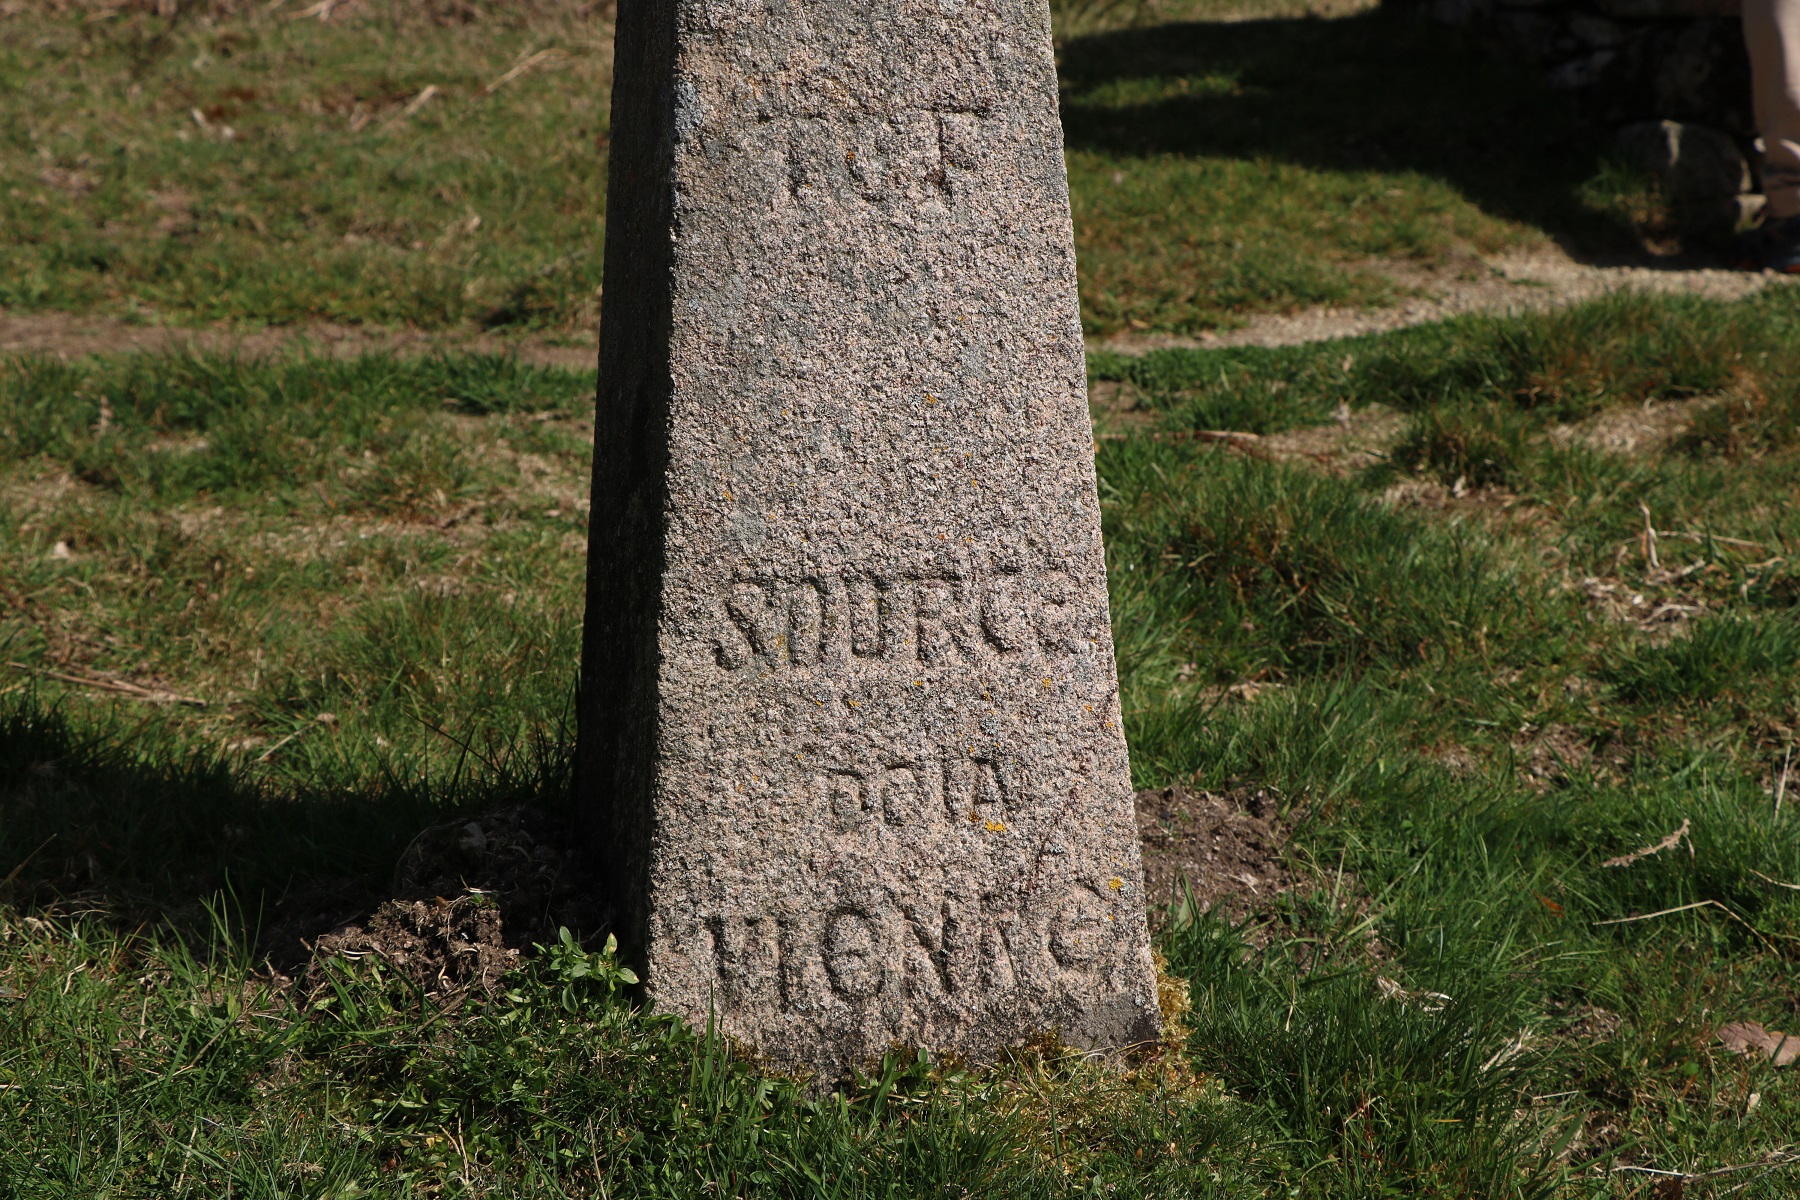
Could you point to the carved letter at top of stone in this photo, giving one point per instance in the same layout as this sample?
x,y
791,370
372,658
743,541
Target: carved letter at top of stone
x,y
850,745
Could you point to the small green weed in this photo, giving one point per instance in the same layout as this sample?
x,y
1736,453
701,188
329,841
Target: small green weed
x,y
587,978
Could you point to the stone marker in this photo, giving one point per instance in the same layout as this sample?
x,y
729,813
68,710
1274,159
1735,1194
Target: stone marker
x,y
850,741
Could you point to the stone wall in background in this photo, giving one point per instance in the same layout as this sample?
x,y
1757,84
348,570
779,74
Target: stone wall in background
x,y
1636,60
1672,76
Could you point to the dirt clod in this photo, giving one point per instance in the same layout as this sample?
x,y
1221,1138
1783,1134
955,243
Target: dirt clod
x,y
469,897
1591,1023
440,945
1554,755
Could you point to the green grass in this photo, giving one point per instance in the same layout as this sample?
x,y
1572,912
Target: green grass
x,y
1218,168
301,539
1722,653
303,191
196,1080
1467,707
342,598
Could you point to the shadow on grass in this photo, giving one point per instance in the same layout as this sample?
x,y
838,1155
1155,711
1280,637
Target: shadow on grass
x,y
114,818
1381,91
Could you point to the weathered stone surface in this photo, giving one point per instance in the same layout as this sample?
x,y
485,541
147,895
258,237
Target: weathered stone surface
x,y
850,724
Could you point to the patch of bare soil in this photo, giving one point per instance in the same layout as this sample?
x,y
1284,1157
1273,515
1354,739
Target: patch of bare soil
x,y
1495,506
1588,1022
1553,754
468,897
1356,439
1646,428
66,336
442,946
1657,604
1522,281
1229,848
1116,409
1518,282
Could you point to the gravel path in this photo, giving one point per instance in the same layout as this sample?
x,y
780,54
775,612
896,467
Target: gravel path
x,y
1520,282
1517,282
66,336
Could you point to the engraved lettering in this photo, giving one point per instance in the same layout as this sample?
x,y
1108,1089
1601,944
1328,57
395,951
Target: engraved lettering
x,y
806,624
945,949
934,940
840,793
811,143
863,164
959,139
931,605
961,931
1079,929
944,628
977,789
902,798
1055,616
852,954
834,635
864,600
731,652
798,950
997,972
746,955
935,618
956,787
1005,622
990,787
896,640
752,611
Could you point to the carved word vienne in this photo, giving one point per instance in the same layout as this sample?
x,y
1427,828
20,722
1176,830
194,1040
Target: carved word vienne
x,y
960,947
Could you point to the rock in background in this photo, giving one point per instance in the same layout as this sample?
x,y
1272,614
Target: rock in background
x,y
1701,171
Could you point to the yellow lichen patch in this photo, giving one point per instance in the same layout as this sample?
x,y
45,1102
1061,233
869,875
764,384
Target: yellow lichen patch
x,y
996,827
